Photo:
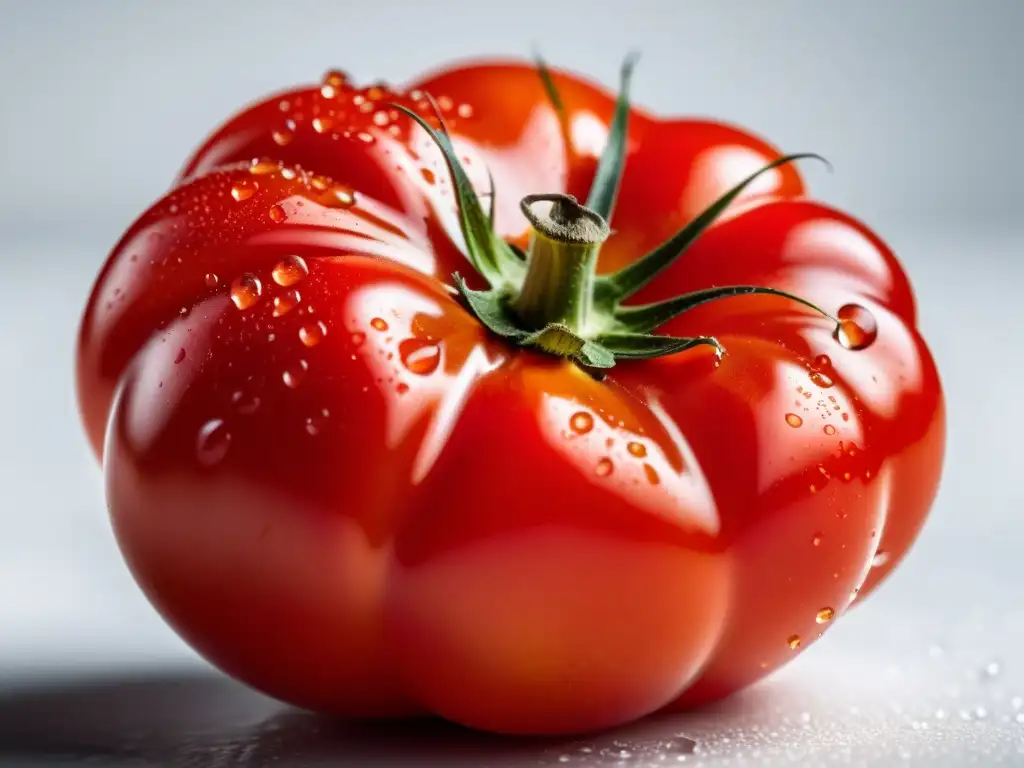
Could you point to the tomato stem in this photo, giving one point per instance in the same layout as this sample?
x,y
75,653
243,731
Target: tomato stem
x,y
561,262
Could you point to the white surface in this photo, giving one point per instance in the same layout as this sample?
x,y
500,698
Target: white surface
x,y
926,673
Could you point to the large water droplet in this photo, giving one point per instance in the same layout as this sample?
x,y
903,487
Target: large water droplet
x,y
419,356
581,422
857,327
263,167
276,214
246,290
290,270
244,402
294,374
604,467
825,615
379,324
286,302
794,642
312,334
212,442
793,420
636,449
243,191
829,429
211,280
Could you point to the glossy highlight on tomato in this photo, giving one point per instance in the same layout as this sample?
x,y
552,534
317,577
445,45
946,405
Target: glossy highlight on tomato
x,y
342,487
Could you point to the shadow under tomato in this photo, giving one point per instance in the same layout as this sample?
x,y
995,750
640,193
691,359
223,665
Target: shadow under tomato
x,y
199,719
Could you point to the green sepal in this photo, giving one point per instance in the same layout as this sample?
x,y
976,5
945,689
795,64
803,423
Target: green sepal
x,y
549,85
490,307
487,252
646,317
595,355
641,346
604,190
622,284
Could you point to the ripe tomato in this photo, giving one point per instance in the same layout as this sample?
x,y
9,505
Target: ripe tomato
x,y
340,486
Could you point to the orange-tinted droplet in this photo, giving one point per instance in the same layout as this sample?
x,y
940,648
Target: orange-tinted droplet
x,y
794,642
212,442
581,422
857,327
822,361
335,77
243,191
294,374
246,290
652,474
464,110
341,197
604,468
211,280
322,124
276,214
379,324
312,334
366,138
262,167
825,615
793,420
282,137
290,270
428,175
419,356
636,449
445,103
401,387
821,379
286,302
829,429
328,91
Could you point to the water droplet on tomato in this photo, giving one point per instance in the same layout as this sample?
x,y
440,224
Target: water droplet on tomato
x,y
816,540
652,474
262,167
636,449
419,356
335,77
428,175
821,379
857,327
340,197
358,338
211,280
312,334
604,467
244,402
276,214
445,103
212,442
793,420
381,118
881,558
282,137
242,191
581,422
328,91
289,271
379,324
829,429
794,642
464,110
401,388
366,138
825,615
294,374
316,422
822,361
286,302
246,290
322,124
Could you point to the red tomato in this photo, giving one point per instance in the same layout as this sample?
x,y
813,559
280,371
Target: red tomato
x,y
341,488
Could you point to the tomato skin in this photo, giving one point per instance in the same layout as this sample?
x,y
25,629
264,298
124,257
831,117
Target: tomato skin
x,y
342,490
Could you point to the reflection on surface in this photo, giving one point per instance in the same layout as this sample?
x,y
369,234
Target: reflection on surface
x,y
198,719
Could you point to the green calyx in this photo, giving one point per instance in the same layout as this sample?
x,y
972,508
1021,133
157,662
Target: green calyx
x,y
554,301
